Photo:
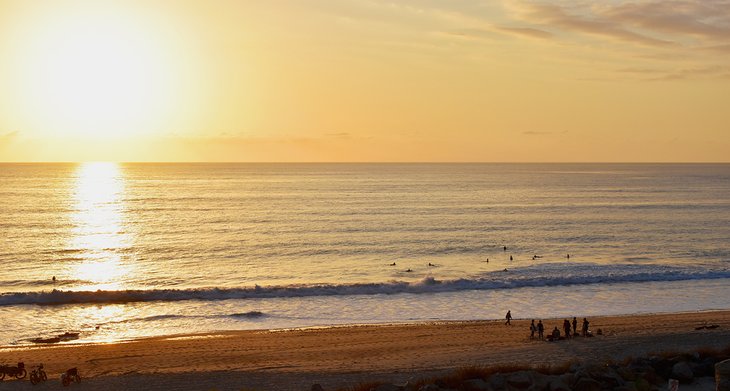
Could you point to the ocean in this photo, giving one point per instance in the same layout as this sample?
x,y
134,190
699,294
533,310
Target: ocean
x,y
162,249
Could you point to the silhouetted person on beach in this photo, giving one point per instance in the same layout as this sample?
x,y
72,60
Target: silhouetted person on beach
x,y
533,328
585,327
556,334
566,328
540,330
505,248
508,317
568,256
575,325
510,257
54,279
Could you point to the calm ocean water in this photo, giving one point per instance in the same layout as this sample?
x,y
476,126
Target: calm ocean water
x,y
150,249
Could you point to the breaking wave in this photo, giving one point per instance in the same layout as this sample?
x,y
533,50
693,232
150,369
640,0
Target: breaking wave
x,y
554,274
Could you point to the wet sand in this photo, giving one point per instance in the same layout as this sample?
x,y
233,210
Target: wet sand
x,y
345,356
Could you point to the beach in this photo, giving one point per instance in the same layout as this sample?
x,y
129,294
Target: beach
x,y
294,359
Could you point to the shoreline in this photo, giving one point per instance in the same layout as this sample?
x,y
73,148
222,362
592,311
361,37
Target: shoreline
x,y
340,356
222,333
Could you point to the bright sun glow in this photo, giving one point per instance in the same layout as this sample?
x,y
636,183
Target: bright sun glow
x,y
98,226
97,72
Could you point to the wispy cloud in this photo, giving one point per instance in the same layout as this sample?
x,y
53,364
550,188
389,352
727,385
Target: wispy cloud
x,y
339,134
648,22
537,133
526,31
6,138
694,73
664,74
706,18
584,20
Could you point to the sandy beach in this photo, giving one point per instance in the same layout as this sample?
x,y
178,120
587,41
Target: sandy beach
x,y
345,356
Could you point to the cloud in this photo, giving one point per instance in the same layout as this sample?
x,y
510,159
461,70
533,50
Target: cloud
x,y
7,138
471,34
526,31
706,19
659,74
585,20
722,49
694,73
339,134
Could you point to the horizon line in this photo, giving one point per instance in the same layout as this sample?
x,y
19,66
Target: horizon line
x,y
361,162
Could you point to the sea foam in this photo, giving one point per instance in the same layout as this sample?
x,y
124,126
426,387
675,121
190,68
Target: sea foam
x,y
553,274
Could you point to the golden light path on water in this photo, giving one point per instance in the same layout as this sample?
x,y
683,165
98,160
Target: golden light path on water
x,y
98,234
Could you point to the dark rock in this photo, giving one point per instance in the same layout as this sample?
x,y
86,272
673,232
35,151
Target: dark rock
x,y
642,385
662,366
722,375
610,379
540,381
587,384
630,386
317,387
519,380
626,373
558,384
682,372
475,385
497,381
702,369
652,377
568,378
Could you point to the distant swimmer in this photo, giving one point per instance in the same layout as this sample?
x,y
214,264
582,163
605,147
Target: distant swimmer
x,y
392,264
505,248
409,270
487,260
510,257
505,269
431,264
568,256
53,279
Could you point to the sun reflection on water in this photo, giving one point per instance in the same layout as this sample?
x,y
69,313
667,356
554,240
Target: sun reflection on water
x,y
98,233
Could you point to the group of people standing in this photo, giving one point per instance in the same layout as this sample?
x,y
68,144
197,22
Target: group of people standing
x,y
570,329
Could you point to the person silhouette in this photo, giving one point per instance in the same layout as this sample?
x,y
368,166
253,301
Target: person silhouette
x,y
508,317
533,328
575,325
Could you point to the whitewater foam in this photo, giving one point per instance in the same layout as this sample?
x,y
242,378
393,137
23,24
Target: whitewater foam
x,y
543,275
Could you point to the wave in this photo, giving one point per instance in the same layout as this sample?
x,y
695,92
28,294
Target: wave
x,y
545,275
248,315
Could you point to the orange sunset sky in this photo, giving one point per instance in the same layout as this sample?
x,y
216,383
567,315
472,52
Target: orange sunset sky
x,y
365,80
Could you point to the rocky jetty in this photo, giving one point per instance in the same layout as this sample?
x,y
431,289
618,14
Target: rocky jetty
x,y
634,374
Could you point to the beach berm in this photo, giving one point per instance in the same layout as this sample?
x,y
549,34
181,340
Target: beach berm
x,y
334,357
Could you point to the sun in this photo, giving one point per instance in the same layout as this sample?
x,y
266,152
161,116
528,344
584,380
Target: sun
x,y
97,71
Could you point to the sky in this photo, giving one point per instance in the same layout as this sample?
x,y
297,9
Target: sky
x,y
365,81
